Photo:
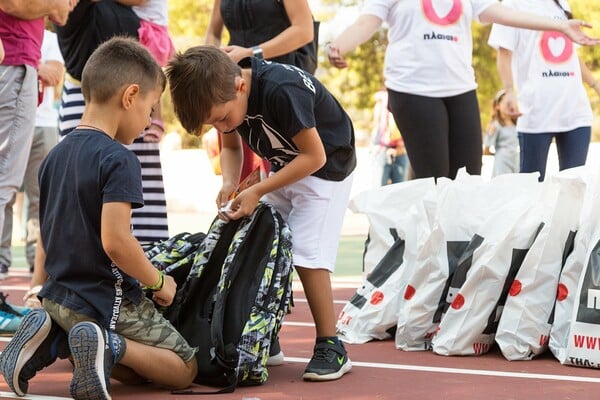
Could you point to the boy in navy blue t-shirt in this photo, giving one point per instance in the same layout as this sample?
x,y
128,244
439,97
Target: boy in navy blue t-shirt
x,y
94,265
288,117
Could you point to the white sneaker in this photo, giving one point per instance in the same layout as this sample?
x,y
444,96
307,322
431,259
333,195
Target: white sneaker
x,y
275,354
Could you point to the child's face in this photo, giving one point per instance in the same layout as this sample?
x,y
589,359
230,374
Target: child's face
x,y
228,116
138,116
502,106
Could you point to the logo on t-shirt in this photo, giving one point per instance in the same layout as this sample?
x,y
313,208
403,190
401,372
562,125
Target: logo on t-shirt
x,y
556,48
450,11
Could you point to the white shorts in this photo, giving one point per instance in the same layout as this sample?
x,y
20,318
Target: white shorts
x,y
314,209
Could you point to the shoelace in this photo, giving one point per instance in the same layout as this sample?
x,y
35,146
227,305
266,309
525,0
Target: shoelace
x,y
325,354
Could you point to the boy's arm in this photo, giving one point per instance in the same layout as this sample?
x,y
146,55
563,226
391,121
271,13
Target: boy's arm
x,y
310,159
231,165
125,251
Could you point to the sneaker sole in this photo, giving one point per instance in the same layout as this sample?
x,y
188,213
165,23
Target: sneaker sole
x,y
86,342
314,377
276,360
34,328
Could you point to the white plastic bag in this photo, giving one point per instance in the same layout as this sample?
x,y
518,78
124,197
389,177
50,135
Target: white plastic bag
x,y
372,310
484,273
461,208
524,327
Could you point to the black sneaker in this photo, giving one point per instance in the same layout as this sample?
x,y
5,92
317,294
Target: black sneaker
x,y
36,344
95,353
329,362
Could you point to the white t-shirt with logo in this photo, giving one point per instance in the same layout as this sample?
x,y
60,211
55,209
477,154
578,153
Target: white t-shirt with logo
x,y
47,112
546,72
430,44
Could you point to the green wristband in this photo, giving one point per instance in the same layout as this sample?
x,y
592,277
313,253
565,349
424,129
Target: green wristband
x,y
159,285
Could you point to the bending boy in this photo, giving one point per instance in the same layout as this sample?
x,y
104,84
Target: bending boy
x,y
88,185
288,117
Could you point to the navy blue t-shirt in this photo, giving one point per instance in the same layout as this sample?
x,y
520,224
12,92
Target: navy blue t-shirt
x,y
284,100
81,173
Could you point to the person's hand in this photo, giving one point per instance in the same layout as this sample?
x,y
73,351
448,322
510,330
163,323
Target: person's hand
x,y
335,57
31,297
573,30
223,198
165,296
512,106
244,204
49,74
237,53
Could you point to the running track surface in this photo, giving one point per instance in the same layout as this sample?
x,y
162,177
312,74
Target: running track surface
x,y
379,370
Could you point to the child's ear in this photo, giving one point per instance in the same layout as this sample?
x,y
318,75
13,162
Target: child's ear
x,y
129,95
240,84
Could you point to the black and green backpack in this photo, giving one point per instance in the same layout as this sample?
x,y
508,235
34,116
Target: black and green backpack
x,y
234,299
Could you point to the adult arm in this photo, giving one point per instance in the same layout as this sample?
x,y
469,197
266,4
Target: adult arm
x,y
299,33
56,10
310,159
214,32
504,66
589,78
125,251
356,34
500,14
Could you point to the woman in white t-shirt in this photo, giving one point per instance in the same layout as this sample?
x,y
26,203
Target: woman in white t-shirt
x,y
551,98
429,73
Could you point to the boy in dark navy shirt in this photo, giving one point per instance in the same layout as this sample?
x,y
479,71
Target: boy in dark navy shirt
x,y
88,185
288,117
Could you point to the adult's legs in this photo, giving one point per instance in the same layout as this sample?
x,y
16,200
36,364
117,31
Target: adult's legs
x,y
572,147
534,152
44,138
18,96
423,123
465,144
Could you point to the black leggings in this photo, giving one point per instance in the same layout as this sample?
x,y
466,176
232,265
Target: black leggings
x,y
441,135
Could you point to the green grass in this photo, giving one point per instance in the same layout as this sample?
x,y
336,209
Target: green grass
x,y
349,257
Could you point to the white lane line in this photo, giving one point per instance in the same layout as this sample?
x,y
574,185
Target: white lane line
x,y
502,374
296,300
294,323
8,395
11,287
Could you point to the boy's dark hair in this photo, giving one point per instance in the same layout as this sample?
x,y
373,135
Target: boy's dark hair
x,y
200,78
118,62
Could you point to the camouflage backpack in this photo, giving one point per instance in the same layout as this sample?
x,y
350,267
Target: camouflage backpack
x,y
235,297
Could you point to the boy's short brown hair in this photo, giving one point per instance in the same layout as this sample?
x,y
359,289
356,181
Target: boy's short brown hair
x,y
118,62
200,78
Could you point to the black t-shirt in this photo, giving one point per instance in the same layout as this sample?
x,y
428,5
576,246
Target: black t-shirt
x,y
284,100
251,23
89,25
81,173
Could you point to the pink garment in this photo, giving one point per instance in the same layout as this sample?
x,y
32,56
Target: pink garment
x,y
156,39
22,40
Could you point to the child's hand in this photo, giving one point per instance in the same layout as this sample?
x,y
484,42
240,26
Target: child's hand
x,y
244,204
165,296
223,197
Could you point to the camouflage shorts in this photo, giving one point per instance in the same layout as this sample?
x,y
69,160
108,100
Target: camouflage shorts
x,y
142,324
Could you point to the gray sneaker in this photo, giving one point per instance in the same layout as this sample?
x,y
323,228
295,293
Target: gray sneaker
x,y
95,353
36,344
329,362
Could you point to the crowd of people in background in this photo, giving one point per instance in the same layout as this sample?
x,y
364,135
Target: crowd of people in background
x,y
426,124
